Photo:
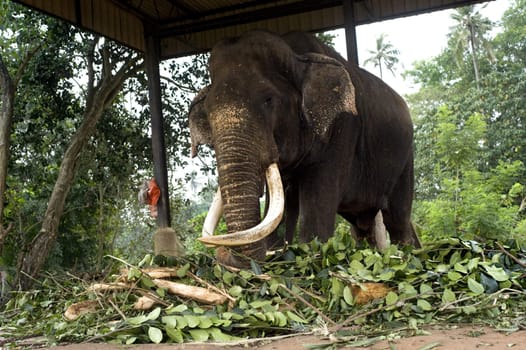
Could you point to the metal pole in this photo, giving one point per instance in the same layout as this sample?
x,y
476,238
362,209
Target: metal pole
x,y
152,59
350,31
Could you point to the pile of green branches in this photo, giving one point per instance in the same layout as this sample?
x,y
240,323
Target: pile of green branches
x,y
304,288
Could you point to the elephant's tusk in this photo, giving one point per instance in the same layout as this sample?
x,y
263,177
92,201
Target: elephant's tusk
x,y
269,223
214,215
380,233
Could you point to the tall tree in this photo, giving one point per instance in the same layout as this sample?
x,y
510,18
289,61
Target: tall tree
x,y
469,35
17,52
108,67
384,55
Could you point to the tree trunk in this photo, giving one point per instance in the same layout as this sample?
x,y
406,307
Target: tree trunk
x,y
101,227
474,55
99,97
7,88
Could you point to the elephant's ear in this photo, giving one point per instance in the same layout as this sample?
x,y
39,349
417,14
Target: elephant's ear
x,y
200,132
327,92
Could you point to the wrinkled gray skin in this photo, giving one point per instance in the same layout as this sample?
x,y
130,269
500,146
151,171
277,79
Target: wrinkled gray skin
x,y
342,138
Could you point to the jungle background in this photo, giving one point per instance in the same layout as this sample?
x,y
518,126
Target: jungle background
x,y
75,142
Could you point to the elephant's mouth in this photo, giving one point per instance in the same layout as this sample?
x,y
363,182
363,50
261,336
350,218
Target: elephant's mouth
x,y
253,234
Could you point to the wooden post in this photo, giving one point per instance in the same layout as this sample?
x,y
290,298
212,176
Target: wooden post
x,y
350,31
152,59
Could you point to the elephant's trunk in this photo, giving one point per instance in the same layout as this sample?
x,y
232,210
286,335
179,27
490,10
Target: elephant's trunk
x,y
238,152
240,181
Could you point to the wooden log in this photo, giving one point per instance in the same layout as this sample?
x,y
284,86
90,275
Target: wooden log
x,y
154,272
200,294
102,287
145,302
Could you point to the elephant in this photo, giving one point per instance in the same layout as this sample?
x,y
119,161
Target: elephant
x,y
330,137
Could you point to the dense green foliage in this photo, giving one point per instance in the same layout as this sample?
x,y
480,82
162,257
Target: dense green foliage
x,y
470,129
101,215
307,287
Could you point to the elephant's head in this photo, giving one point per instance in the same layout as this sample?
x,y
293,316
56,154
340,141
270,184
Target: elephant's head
x,y
265,105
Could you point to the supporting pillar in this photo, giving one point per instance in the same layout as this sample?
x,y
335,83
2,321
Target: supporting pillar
x,y
152,59
350,31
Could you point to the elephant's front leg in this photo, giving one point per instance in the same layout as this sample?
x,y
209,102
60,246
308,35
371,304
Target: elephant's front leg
x,y
279,239
318,202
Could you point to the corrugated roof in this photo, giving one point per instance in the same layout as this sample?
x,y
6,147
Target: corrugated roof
x,y
187,27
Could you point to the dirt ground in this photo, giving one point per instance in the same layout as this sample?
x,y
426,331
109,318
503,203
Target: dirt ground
x,y
457,338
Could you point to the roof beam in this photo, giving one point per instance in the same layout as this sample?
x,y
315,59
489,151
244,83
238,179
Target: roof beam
x,y
247,17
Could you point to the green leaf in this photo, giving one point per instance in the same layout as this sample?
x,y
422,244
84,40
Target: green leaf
x,y
406,289
391,298
182,323
424,305
205,322
269,316
198,311
497,273
137,320
469,309
155,335
442,268
228,277
147,282
460,268
473,264
181,272
147,260
425,289
386,275
160,292
347,295
455,258
489,283
337,287
454,276
257,304
295,318
448,296
169,321
475,287
154,314
192,321
179,308
235,291
134,273
218,335
175,334
255,267
246,274
281,319
199,334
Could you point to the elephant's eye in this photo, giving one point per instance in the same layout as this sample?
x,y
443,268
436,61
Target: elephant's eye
x,y
271,101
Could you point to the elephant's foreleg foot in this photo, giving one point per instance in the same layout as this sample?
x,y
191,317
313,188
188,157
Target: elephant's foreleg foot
x,y
238,257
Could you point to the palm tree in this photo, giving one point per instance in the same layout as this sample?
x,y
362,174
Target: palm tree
x,y
469,35
384,55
